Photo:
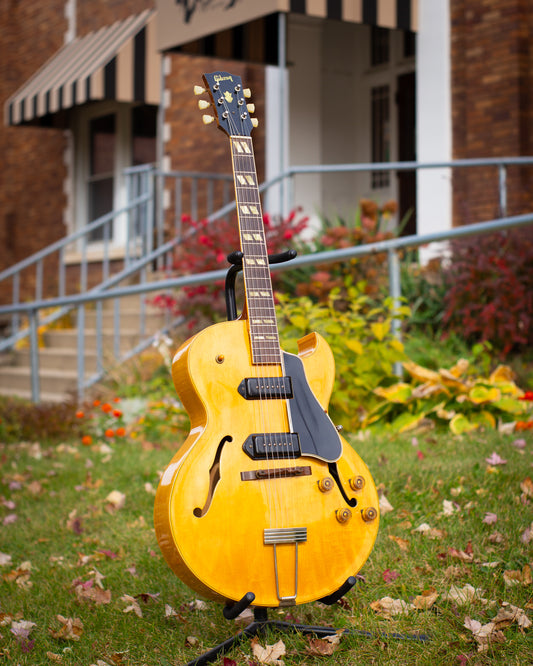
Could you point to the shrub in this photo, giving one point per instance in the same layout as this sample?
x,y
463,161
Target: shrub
x,y
489,289
361,338
369,225
206,250
26,421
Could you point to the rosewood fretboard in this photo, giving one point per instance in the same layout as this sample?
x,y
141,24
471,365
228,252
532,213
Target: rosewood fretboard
x,y
259,296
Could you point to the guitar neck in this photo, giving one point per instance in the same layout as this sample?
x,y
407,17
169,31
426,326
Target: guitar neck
x,y
259,295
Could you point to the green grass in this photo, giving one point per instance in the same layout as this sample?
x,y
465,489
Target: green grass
x,y
49,482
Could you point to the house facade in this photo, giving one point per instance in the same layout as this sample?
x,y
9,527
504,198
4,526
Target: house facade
x,y
90,88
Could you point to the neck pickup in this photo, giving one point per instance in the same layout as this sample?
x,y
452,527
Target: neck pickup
x,y
266,388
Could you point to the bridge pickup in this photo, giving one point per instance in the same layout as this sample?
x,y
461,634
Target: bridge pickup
x,y
275,473
272,445
265,388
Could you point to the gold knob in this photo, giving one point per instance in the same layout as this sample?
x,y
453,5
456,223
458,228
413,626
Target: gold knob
x,y
219,358
357,483
203,104
207,119
198,90
325,484
343,515
369,514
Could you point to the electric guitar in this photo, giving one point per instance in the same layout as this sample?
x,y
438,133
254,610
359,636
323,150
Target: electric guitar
x,y
264,496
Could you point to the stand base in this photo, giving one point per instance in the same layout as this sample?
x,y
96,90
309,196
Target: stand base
x,y
261,623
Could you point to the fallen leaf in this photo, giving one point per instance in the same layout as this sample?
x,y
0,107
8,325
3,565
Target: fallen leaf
x,y
388,607
402,543
133,605
518,577
191,641
115,501
497,537
54,657
519,443
71,629
495,459
384,505
527,535
390,575
526,486
20,576
509,614
323,647
484,634
10,519
449,507
490,518
425,600
22,629
198,604
462,595
431,532
4,559
269,654
95,594
466,555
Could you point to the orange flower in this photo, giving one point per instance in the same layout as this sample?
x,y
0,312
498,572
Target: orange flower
x,y
86,440
109,432
80,414
106,407
116,399
120,432
96,403
117,413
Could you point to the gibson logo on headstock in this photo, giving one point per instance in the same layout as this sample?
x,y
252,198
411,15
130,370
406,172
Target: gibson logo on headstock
x,y
219,78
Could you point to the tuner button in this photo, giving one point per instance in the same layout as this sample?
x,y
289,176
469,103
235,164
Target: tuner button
x,y
207,119
247,92
203,104
251,108
198,90
255,122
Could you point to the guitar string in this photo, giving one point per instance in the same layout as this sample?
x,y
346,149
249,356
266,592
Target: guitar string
x,y
262,406
263,314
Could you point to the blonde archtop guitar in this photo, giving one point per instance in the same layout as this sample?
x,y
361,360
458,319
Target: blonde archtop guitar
x,y
264,496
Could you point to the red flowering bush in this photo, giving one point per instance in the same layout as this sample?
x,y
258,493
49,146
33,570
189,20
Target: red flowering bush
x,y
369,226
489,289
206,250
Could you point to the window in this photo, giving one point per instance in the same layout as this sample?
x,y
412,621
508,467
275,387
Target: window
x,y
101,180
380,133
379,46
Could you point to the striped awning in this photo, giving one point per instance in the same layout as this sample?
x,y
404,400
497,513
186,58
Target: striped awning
x,y
183,21
118,62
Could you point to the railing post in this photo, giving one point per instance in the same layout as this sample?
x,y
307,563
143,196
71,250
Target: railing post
x,y
395,291
33,316
81,351
502,171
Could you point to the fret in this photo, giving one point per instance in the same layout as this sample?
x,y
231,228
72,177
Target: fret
x,y
263,327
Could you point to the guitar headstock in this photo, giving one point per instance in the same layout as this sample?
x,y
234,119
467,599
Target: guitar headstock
x,y
228,101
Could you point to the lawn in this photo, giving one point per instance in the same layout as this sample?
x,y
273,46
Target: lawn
x,y
82,580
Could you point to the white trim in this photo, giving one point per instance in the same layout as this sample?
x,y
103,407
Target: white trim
x,y
434,120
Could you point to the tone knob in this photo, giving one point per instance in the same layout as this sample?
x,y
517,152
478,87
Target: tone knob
x,y
343,515
357,482
369,514
325,484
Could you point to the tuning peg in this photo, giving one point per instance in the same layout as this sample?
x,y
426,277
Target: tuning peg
x,y
198,90
203,104
247,93
251,108
255,122
208,119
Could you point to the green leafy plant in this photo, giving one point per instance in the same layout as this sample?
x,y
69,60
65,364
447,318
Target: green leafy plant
x,y
361,337
452,398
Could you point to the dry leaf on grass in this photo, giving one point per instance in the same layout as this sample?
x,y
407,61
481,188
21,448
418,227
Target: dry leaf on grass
x,y
518,577
71,628
430,532
323,647
388,607
384,505
489,633
115,501
425,600
269,654
403,544
95,594
133,605
466,555
4,559
462,595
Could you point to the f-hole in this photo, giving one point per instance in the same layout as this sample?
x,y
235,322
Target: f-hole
x,y
335,474
214,478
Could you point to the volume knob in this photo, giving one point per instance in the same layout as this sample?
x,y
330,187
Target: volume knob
x,y
369,514
343,515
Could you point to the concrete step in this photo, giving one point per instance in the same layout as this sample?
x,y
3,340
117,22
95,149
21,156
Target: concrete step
x,y
54,358
130,319
17,380
68,339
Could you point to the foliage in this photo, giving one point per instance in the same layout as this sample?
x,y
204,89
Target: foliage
x,y
361,337
489,289
23,420
424,290
206,249
369,225
453,398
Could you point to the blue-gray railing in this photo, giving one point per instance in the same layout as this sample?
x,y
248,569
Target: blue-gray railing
x,y
146,185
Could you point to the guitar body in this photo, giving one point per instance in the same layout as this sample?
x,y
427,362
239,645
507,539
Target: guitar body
x,y
225,518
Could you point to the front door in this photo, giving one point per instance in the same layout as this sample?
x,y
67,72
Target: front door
x,y
406,105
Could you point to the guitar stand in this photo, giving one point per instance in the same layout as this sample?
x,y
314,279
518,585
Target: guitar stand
x,y
261,621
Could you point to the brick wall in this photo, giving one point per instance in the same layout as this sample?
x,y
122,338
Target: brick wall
x,y
492,110
32,170
93,14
